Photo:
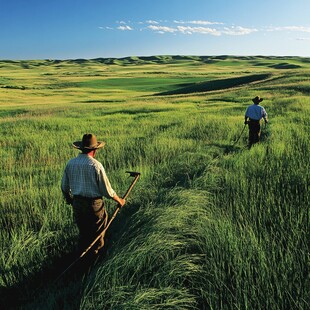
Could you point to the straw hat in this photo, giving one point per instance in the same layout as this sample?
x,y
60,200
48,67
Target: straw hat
x,y
89,142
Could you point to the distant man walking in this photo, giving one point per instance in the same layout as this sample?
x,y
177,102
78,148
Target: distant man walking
x,y
253,115
83,184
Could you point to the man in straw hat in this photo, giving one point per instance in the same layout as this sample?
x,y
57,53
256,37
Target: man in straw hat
x,y
84,182
253,115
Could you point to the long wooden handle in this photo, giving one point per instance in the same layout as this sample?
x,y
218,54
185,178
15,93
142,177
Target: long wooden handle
x,y
136,175
113,216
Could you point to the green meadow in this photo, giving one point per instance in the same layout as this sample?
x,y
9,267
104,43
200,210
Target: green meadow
x,y
210,224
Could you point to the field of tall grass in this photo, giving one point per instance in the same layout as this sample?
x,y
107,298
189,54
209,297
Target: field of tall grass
x,y
209,225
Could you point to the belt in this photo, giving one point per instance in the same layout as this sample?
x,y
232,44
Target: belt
x,y
254,120
86,198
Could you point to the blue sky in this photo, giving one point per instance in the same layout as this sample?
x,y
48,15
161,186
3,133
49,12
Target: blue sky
x,y
68,29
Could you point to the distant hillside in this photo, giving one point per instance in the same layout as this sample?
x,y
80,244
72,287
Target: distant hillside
x,y
277,62
180,58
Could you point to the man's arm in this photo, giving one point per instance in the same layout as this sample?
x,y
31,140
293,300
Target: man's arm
x,y
246,116
265,116
106,188
65,188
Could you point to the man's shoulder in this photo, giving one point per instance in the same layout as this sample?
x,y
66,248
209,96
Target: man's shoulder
x,y
79,160
96,163
71,161
75,159
85,161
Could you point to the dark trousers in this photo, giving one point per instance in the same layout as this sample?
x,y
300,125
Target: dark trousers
x,y
254,131
91,218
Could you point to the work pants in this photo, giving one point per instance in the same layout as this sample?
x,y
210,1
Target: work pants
x,y
91,218
254,131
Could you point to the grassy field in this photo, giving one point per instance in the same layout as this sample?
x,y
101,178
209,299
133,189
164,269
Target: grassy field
x,y
210,224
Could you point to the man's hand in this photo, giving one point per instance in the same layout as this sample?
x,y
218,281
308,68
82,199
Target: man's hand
x,y
119,200
69,201
245,122
68,198
122,202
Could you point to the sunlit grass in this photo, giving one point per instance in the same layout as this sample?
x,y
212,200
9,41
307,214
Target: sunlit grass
x,y
209,225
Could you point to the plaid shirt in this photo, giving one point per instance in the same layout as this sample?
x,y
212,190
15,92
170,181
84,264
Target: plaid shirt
x,y
85,176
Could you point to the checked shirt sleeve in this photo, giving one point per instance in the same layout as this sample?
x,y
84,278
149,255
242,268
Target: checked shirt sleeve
x,y
65,188
104,184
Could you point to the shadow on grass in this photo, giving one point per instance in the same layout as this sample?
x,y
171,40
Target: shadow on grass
x,y
285,65
216,84
55,286
41,290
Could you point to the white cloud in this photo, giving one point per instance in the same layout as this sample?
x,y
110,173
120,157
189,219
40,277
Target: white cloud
x,y
299,28
153,22
290,28
201,30
203,27
238,31
162,29
197,22
123,28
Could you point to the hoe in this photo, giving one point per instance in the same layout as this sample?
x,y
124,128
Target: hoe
x,y
136,176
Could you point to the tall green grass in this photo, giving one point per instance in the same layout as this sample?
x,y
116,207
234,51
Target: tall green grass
x,y
210,225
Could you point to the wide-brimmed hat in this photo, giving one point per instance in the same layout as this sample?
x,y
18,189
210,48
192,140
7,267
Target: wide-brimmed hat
x,y
257,99
89,142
